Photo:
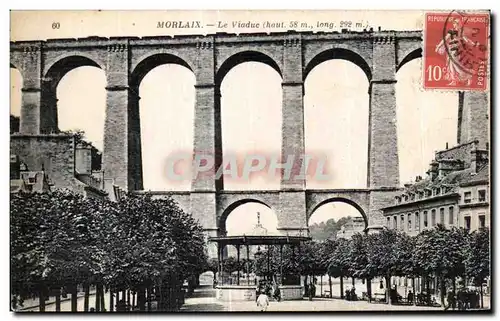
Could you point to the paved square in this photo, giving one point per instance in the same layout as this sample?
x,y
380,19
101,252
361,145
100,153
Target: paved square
x,y
204,300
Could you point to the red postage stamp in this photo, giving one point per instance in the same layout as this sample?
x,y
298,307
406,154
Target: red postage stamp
x,y
456,50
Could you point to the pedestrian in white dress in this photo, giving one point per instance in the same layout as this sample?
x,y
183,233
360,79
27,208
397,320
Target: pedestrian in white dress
x,y
263,302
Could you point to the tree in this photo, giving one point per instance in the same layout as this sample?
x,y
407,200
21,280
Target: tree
x,y
328,248
382,256
441,252
358,260
62,239
338,265
57,249
477,260
152,243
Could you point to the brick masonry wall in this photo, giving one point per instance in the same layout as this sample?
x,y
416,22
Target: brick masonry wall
x,y
378,200
292,213
478,104
383,162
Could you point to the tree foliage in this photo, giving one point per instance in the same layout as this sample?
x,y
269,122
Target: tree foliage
x,y
62,239
477,258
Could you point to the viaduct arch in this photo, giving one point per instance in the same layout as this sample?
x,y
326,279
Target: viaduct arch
x,y
125,61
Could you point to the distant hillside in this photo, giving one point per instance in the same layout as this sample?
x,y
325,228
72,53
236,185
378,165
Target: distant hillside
x,y
327,230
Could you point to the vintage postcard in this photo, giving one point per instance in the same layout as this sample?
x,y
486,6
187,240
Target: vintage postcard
x,y
228,161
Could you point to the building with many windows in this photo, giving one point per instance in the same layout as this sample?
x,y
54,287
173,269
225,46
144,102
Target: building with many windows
x,y
455,193
353,226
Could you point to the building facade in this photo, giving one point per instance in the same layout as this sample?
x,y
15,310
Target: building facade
x,y
353,226
455,193
64,163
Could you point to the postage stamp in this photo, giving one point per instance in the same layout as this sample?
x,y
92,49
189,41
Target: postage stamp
x,y
456,50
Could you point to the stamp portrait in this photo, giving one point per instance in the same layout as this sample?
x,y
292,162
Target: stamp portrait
x,y
455,51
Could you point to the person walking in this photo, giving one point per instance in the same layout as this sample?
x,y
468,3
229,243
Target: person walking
x,y
410,297
263,302
450,298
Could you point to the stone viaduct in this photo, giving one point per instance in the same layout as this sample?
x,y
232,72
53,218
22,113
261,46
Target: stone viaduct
x,y
293,55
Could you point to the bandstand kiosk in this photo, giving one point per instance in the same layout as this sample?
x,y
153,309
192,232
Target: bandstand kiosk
x,y
244,289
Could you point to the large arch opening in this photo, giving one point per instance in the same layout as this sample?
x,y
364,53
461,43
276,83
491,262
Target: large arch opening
x,y
251,102
81,102
245,57
242,217
341,54
74,98
427,120
165,85
336,114
247,217
336,219
328,217
16,84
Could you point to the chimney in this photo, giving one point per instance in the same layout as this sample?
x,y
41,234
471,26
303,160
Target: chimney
x,y
15,167
479,158
83,158
433,171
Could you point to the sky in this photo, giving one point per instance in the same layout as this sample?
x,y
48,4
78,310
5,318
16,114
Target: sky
x,y
336,120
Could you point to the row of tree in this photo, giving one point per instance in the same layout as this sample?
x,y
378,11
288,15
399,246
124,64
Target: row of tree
x,y
440,253
61,241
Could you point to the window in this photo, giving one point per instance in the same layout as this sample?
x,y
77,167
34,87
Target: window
x,y
428,193
395,226
412,197
467,197
450,215
426,223
482,221
467,222
417,221
441,216
409,222
398,199
433,218
481,195
402,222
388,222
32,180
